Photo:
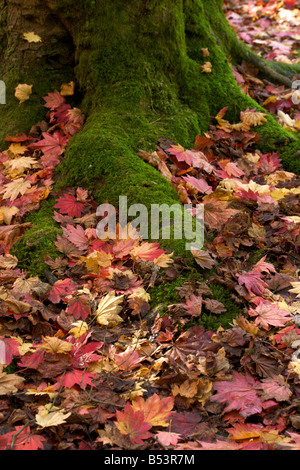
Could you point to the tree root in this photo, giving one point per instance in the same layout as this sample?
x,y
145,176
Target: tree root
x,y
266,70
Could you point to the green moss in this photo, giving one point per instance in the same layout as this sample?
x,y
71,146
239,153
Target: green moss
x,y
38,241
167,294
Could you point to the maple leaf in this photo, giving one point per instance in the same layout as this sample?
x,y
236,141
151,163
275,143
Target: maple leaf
x,y
167,438
61,289
108,310
194,306
262,266
270,314
9,383
51,145
295,445
156,410
7,214
251,118
46,418
54,345
67,89
216,212
206,68
241,393
146,251
276,388
96,261
79,307
127,360
69,205
132,423
76,377
54,100
181,154
83,352
23,92
9,347
32,37
245,431
24,440
296,289
76,235
18,165
203,258
253,282
199,184
79,329
12,190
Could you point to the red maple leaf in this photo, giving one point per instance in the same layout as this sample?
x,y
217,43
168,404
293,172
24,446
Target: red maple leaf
x,y
253,282
68,204
83,352
128,360
51,145
24,440
9,347
79,307
76,377
132,423
61,289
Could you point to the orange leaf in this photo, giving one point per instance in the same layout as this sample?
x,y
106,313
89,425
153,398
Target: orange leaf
x,y
156,410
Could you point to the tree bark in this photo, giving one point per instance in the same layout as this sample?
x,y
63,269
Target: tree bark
x,y
137,68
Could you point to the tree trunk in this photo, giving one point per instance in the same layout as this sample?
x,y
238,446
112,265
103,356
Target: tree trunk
x,y
137,68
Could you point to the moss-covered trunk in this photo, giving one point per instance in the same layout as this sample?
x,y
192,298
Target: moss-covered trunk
x,y
137,64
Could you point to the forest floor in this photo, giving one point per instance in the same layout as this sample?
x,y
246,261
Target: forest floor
x,y
87,360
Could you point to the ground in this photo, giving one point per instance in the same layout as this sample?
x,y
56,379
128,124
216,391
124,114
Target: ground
x,y
132,344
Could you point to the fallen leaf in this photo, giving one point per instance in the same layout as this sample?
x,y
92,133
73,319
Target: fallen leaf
x,y
156,410
108,310
132,424
32,37
23,92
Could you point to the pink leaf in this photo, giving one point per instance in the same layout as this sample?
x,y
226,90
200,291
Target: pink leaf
x,y
239,394
54,100
76,235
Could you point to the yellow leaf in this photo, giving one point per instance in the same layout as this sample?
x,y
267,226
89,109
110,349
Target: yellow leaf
x,y
8,261
108,309
23,92
252,118
96,261
16,187
17,149
205,51
164,260
9,382
296,288
19,165
79,329
46,418
206,68
54,345
278,194
7,214
67,89
32,37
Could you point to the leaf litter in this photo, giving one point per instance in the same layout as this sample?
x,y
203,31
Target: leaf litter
x,y
86,360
